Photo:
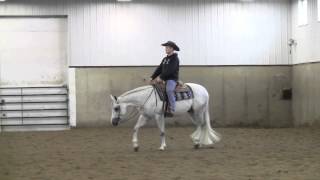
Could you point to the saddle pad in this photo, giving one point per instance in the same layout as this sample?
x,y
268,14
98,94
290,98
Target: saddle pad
x,y
184,93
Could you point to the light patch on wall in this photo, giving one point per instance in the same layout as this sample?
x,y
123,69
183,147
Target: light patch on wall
x,y
246,30
241,32
302,12
126,27
242,23
126,24
318,2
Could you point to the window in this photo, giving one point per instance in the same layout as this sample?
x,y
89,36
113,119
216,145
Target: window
x,y
303,12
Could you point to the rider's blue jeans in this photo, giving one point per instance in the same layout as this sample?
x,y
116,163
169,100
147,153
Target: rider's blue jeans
x,y
170,87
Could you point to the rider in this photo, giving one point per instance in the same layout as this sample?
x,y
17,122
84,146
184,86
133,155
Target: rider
x,y
168,71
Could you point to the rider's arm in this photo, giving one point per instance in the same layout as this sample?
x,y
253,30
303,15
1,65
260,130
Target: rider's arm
x,y
158,71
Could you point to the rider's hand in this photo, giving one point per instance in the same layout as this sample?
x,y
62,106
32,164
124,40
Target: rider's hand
x,y
151,81
159,80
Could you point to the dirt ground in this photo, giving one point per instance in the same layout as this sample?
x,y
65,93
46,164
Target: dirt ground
x,y
106,153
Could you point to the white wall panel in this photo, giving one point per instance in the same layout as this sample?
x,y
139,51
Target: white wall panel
x,y
33,51
210,32
307,36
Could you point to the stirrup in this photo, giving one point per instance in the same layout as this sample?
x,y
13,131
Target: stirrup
x,y
168,114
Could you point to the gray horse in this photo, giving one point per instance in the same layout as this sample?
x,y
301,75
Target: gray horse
x,y
147,102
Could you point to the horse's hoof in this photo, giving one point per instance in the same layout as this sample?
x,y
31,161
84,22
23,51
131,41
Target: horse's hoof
x,y
196,146
136,149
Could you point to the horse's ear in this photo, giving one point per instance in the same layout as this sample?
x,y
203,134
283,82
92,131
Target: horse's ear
x,y
113,98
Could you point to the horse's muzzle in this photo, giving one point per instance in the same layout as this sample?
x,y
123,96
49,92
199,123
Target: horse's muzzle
x,y
115,121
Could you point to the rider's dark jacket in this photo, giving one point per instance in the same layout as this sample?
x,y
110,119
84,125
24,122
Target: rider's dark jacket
x,y
168,69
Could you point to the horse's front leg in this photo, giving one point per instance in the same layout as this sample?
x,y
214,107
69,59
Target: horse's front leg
x,y
161,124
141,122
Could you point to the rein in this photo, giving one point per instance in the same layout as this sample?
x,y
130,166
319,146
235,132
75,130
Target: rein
x,y
135,113
148,97
126,94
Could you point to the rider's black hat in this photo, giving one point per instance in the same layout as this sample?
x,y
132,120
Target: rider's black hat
x,y
171,44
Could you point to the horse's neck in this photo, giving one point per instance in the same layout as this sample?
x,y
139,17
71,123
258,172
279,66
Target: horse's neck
x,y
136,96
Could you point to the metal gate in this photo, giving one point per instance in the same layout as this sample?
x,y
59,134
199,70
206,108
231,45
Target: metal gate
x,y
34,108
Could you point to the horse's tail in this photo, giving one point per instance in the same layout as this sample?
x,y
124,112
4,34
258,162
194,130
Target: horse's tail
x,y
212,136
205,135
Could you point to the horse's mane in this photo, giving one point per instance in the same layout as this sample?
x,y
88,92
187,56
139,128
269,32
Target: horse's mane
x,y
135,90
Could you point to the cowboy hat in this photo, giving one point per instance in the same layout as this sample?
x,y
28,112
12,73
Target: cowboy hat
x,y
171,44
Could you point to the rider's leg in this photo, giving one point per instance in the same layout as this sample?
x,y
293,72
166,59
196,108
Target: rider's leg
x,y
170,87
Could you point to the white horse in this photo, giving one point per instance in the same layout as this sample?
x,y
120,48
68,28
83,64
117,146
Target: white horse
x,y
147,101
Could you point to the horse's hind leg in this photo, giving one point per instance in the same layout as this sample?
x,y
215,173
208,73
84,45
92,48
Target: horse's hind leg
x,y
161,125
141,122
198,120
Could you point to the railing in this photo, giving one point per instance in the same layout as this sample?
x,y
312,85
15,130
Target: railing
x,y
34,106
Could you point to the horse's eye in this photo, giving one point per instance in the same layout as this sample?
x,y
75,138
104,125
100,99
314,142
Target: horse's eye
x,y
117,108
